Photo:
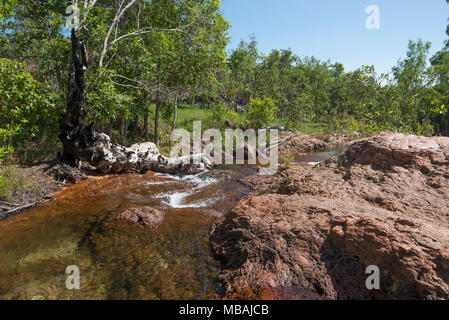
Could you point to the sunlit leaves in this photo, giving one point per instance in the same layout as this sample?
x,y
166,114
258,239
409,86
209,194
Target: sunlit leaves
x,y
23,103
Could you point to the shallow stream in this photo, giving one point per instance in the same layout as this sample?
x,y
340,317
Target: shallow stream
x,y
116,259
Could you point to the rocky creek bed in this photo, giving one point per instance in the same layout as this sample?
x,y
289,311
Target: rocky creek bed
x,y
308,232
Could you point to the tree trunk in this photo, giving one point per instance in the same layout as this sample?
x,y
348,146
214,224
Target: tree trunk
x,y
146,121
146,118
109,133
158,107
123,130
156,121
415,115
175,112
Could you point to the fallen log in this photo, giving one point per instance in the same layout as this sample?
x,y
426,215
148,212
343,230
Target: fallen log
x,y
8,204
18,210
97,149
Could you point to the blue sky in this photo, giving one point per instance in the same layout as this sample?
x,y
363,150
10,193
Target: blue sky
x,y
336,29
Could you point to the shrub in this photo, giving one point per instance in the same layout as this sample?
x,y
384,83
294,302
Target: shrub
x,y
220,114
261,112
287,160
24,103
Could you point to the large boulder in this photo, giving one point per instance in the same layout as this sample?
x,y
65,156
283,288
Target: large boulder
x,y
382,203
396,149
302,143
279,241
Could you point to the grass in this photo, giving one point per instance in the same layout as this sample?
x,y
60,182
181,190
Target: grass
x,y
187,114
11,180
310,127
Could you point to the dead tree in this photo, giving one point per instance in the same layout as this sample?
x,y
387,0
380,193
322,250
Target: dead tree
x,y
81,142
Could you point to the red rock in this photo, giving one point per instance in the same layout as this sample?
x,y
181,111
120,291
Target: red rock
x,y
319,228
146,216
387,150
301,143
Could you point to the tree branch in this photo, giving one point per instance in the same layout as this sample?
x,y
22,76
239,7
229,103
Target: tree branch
x,y
118,16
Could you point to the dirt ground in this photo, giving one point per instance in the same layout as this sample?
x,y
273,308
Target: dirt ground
x,y
40,182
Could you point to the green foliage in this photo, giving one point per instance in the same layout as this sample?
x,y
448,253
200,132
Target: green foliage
x,y
5,149
24,105
105,100
219,115
261,112
4,194
412,78
438,97
6,9
308,90
286,161
182,53
167,111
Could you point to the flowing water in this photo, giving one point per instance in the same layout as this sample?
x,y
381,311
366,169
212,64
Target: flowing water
x,y
117,259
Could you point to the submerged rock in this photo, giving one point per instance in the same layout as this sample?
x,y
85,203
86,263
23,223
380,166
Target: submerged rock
x,y
382,203
145,216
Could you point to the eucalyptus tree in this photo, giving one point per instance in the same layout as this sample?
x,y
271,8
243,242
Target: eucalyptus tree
x,y
171,62
117,24
243,64
100,32
30,32
438,99
198,56
412,76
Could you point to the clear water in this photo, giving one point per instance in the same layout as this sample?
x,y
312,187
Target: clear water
x,y
318,157
118,260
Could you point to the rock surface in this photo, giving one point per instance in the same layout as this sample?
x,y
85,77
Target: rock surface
x,y
383,203
145,216
300,143
387,150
